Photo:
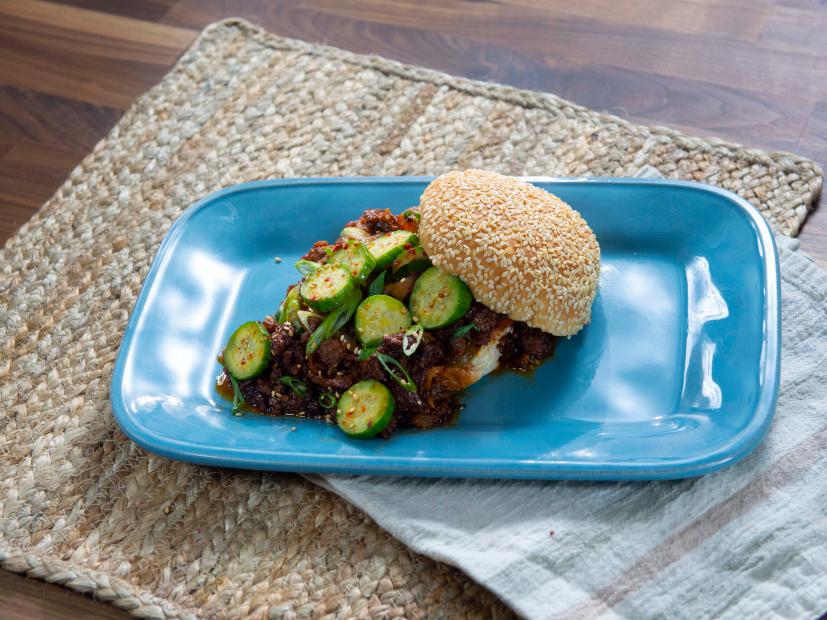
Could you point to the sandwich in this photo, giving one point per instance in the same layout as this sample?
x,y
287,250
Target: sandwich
x,y
391,321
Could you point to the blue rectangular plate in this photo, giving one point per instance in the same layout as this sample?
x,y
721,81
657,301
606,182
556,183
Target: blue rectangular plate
x,y
676,376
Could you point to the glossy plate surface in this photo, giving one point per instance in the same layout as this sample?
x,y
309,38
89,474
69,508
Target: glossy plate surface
x,y
676,376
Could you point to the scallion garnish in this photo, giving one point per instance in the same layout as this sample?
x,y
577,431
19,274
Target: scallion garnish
x,y
298,387
306,267
392,366
378,285
412,214
328,400
333,322
412,338
463,331
304,317
238,397
366,353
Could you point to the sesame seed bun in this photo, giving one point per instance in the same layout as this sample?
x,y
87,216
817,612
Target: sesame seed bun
x,y
522,251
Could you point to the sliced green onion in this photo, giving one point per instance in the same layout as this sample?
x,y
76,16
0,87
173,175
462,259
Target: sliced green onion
x,y
366,353
396,371
306,267
289,306
378,285
298,387
412,338
328,400
238,397
333,322
463,331
328,250
410,214
304,317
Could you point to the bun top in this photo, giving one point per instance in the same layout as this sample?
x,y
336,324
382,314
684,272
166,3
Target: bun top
x,y
522,251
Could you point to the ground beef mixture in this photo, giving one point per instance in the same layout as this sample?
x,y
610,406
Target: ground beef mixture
x,y
334,367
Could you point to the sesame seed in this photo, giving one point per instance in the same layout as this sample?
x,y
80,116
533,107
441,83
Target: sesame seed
x,y
521,250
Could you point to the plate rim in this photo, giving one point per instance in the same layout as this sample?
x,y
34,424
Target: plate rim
x,y
738,446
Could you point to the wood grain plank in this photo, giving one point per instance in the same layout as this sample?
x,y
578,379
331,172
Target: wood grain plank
x,y
725,62
755,119
739,21
717,60
15,210
700,17
148,10
813,237
28,599
692,106
152,41
42,161
813,140
28,116
792,29
813,5
73,76
29,175
76,54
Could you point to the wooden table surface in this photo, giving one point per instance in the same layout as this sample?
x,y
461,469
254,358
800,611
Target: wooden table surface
x,y
749,70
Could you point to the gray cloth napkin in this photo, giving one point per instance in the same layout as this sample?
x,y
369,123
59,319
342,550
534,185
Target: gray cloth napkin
x,y
747,542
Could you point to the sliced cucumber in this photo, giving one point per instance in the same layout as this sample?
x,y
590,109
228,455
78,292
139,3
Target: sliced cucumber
x,y
365,409
351,232
305,267
438,298
247,353
385,248
326,288
379,315
289,311
334,321
356,258
410,261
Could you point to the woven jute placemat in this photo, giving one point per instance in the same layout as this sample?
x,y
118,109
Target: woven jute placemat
x,y
81,505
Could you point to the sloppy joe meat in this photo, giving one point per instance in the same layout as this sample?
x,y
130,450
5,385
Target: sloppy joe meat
x,y
334,367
